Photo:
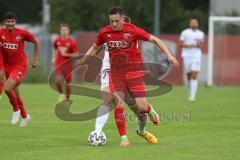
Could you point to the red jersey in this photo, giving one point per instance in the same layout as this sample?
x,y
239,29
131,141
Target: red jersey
x,y
68,46
1,60
12,45
123,42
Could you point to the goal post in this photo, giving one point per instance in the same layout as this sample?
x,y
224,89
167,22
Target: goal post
x,y
211,36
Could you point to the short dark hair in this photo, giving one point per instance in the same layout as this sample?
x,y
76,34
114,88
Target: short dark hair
x,y
64,25
127,19
9,15
116,10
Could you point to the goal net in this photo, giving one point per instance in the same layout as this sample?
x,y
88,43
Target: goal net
x,y
223,51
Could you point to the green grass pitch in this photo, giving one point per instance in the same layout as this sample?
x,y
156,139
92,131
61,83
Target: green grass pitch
x,y
208,129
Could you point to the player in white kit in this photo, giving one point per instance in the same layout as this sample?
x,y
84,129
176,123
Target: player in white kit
x,y
192,40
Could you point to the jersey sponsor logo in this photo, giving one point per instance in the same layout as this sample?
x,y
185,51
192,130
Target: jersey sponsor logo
x,y
10,46
118,45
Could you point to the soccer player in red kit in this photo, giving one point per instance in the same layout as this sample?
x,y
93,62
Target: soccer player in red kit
x,y
103,110
15,64
64,50
1,72
2,77
126,75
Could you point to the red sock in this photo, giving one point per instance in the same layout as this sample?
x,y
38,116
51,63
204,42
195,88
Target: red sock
x,y
59,88
120,120
68,92
13,100
148,108
21,107
1,88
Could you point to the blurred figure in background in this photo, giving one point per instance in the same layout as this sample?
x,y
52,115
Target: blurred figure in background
x,y
2,76
191,42
64,50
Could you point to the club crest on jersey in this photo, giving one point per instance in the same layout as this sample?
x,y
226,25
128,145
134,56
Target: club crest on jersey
x,y
18,38
19,75
3,37
68,44
126,35
108,35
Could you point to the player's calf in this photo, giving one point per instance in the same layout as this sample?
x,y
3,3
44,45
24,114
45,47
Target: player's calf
x,y
144,107
153,115
121,124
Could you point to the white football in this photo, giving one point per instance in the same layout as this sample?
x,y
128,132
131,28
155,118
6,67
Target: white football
x,y
97,138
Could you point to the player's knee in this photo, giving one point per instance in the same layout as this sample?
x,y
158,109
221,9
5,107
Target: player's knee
x,y
107,101
7,89
2,77
194,77
59,80
118,101
130,102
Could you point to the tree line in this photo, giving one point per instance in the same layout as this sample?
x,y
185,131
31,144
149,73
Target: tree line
x,y
91,15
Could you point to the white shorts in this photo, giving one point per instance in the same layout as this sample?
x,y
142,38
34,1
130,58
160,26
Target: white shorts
x,y
192,64
104,79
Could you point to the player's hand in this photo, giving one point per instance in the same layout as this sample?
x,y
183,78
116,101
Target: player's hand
x,y
53,60
199,45
65,54
34,63
81,61
173,60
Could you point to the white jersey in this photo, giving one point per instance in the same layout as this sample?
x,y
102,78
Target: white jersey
x,y
190,37
105,62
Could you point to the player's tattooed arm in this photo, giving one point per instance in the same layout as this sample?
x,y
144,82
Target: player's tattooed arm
x,y
94,49
70,55
36,53
164,49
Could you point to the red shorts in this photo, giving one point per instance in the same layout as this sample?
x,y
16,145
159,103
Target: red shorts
x,y
16,73
131,82
65,72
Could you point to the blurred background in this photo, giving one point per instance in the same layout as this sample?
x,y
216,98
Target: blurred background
x,y
163,18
